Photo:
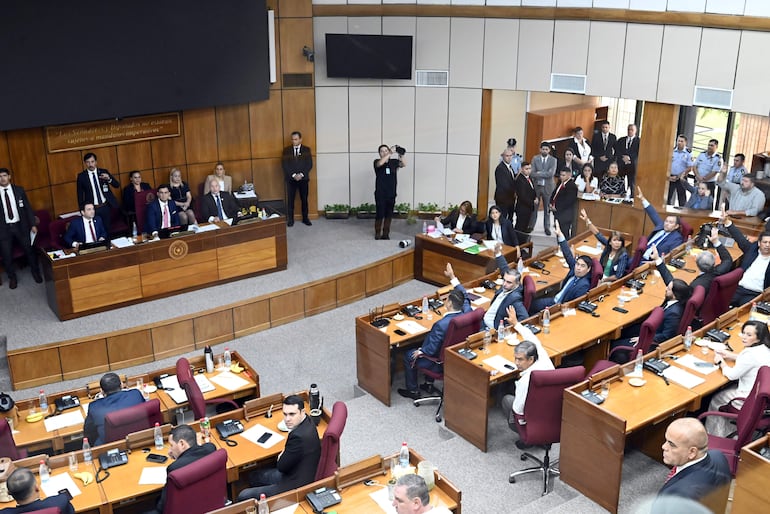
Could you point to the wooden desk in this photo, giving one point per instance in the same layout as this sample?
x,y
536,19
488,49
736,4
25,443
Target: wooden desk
x,y
752,482
92,283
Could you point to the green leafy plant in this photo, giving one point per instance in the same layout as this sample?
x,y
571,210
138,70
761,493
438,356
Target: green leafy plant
x,y
427,207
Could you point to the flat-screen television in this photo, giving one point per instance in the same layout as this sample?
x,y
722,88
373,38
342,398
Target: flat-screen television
x,y
85,60
365,56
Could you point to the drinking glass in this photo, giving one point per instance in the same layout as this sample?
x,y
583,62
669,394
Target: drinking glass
x,y
605,392
73,462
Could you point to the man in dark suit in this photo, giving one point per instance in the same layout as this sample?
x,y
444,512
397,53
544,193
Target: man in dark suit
x,y
93,186
162,213
603,149
17,221
218,205
511,294
627,153
543,172
665,236
697,473
431,346
563,202
184,449
755,263
505,193
115,398
526,203
705,261
297,163
88,228
298,462
24,489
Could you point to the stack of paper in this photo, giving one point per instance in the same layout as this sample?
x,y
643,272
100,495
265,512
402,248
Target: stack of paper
x,y
682,377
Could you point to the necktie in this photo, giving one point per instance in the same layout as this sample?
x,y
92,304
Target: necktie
x,y
510,168
296,151
166,221
670,474
530,183
628,142
91,226
604,141
98,197
219,208
564,290
8,205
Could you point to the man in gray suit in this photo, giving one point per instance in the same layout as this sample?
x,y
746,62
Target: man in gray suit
x,y
543,171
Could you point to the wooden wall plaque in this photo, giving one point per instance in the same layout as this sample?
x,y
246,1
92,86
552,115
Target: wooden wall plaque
x,y
95,134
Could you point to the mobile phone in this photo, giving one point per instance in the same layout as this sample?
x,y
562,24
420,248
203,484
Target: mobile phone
x,y
620,309
154,457
264,437
400,332
66,492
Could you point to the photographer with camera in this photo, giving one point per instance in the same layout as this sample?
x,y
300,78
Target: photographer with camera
x,y
385,185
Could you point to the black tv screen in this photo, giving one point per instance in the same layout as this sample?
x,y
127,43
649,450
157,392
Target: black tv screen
x,y
84,60
364,56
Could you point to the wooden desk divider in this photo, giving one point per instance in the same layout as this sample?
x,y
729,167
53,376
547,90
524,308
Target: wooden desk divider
x,y
752,481
94,387
259,406
360,471
146,437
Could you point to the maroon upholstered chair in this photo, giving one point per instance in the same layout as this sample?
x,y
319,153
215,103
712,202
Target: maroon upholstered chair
x,y
641,246
118,424
719,295
460,327
330,444
540,425
43,237
685,228
646,337
747,419
600,366
193,391
200,486
597,272
56,231
529,290
141,199
8,446
691,308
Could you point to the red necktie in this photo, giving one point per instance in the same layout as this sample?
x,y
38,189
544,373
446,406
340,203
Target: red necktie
x,y
530,183
8,205
166,222
91,226
670,474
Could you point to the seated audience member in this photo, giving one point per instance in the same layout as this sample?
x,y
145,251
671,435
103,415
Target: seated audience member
x,y
88,228
529,355
614,258
180,194
225,180
612,184
297,463
575,284
677,294
411,496
697,473
745,198
700,198
184,449
570,162
756,353
500,229
134,186
218,205
586,182
665,236
705,261
510,294
755,260
457,304
460,220
114,399
162,213
23,487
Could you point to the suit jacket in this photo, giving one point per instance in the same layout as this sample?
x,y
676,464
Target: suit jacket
x,y
580,286
85,190
93,426
506,228
153,220
299,461
128,196
566,200
671,317
26,214
621,261
228,184
435,339
750,251
704,279
301,164
76,232
505,193
470,225
191,455
699,481
209,205
671,241
543,171
599,150
59,501
525,195
515,297
632,152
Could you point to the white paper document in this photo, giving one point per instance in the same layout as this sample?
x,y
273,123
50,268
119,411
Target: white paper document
x,y
480,300
122,242
245,194
257,431
153,476
208,228
58,482
696,364
380,496
462,245
498,362
177,393
68,419
291,509
411,327
591,250
682,377
229,381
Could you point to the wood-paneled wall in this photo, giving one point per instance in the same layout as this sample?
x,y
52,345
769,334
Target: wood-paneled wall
x,y
247,138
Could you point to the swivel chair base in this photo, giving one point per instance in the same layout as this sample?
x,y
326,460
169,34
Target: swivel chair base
x,y
546,467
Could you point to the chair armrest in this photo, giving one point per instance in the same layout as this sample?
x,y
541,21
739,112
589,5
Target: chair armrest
x,y
215,401
728,415
622,349
434,360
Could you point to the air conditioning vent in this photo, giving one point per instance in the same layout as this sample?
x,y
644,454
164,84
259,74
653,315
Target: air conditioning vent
x,y
713,97
563,83
432,78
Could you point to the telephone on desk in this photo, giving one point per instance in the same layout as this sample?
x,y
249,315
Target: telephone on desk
x,y
66,402
229,428
113,458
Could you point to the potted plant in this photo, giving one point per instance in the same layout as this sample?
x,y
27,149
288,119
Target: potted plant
x,y
401,210
427,211
337,211
366,211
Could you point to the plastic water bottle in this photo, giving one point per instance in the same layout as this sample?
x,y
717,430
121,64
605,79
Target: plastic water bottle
x,y
487,340
208,356
206,428
688,248
86,451
262,507
638,363
134,232
228,358
403,456
44,475
687,339
157,434
43,401
520,266
546,321
424,304
753,313
501,332
424,227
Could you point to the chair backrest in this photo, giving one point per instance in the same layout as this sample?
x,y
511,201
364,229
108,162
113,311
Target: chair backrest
x,y
56,231
200,486
649,327
529,290
641,246
460,327
541,421
597,272
120,423
192,390
7,444
43,238
753,408
691,308
719,295
685,228
330,444
141,199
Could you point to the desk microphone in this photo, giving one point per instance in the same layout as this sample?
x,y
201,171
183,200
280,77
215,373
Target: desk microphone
x,y
269,413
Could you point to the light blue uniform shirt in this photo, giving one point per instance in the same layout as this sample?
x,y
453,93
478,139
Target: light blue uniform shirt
x,y
705,164
680,161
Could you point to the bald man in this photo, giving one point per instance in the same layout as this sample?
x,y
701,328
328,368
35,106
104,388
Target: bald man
x,y
697,473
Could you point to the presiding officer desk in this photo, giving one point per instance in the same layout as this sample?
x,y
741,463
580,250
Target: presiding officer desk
x,y
100,281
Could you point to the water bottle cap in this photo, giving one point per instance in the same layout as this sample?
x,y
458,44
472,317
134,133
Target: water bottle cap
x,y
85,439
313,386
157,424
